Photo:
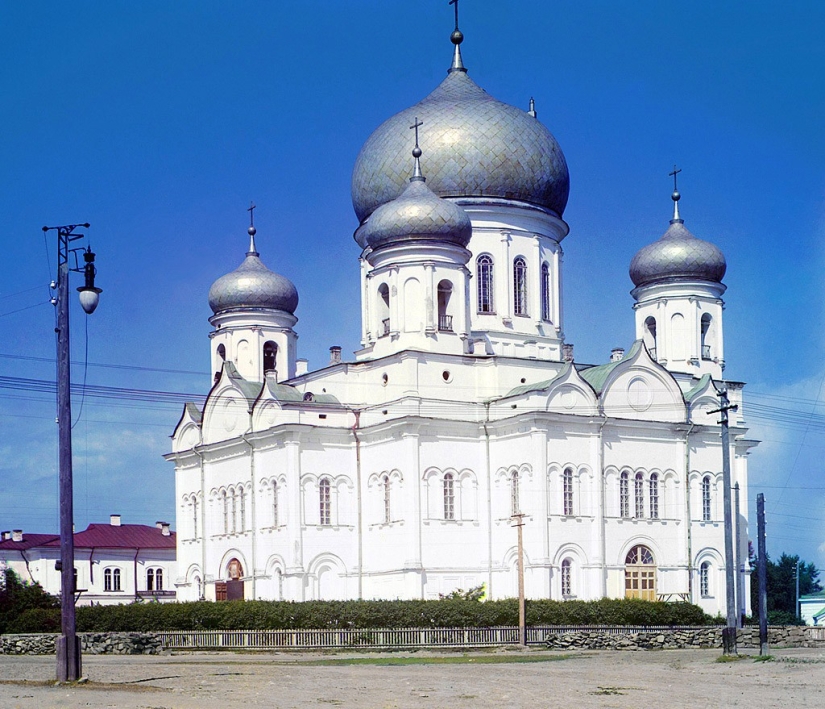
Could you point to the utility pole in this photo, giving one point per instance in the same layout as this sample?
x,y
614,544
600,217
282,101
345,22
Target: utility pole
x,y
738,557
762,573
797,609
522,610
69,663
729,633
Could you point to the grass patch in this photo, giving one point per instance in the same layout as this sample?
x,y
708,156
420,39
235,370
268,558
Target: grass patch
x,y
609,690
764,658
731,658
442,660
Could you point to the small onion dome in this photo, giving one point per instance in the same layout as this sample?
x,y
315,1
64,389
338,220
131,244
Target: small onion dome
x,y
253,285
417,215
476,147
678,255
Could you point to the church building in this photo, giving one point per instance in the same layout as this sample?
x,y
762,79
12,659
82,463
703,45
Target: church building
x,y
401,473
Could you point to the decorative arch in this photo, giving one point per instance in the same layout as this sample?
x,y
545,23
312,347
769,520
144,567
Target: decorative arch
x,y
328,577
228,556
640,573
485,284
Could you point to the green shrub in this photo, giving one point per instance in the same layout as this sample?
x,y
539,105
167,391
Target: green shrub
x,y
17,598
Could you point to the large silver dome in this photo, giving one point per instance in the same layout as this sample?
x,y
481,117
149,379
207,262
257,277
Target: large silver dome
x,y
476,147
678,255
253,285
417,215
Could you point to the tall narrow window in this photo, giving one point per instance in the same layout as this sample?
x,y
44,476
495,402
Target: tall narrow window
x,y
654,496
449,496
150,579
274,503
445,320
242,496
566,578
650,336
270,352
384,310
107,580
325,501
545,291
624,495
116,579
234,510
706,320
225,502
704,579
567,484
639,490
706,506
194,517
158,579
515,507
387,508
485,283
520,286
222,352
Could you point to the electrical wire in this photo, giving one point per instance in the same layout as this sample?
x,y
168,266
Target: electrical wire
x,y
85,370
20,310
30,358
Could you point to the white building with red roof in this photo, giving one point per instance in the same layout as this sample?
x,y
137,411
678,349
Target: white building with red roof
x,y
114,563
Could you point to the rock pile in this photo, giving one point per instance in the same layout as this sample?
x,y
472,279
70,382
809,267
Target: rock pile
x,y
90,643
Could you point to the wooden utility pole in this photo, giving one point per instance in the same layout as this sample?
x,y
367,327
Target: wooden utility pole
x,y
738,557
522,610
762,573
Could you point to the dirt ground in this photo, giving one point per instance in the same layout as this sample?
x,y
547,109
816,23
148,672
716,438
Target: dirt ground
x,y
501,678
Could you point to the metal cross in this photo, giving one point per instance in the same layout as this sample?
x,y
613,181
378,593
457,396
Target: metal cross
x,y
455,2
673,174
416,126
251,210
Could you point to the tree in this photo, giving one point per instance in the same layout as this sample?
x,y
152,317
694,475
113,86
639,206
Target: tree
x,y
18,598
782,586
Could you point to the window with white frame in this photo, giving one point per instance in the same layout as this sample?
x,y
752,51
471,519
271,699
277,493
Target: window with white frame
x,y
234,495
639,491
385,483
704,579
520,286
111,579
567,491
325,502
484,265
653,491
194,517
515,506
225,503
274,503
567,578
154,579
449,496
545,291
242,496
706,506
624,495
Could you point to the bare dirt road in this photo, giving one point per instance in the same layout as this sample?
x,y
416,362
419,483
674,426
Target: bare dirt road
x,y
500,679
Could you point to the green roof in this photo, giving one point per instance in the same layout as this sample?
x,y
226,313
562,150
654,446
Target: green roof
x,y
194,412
249,389
818,596
597,376
283,392
700,385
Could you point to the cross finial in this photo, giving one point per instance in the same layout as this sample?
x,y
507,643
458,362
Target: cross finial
x,y
456,38
416,153
252,230
675,196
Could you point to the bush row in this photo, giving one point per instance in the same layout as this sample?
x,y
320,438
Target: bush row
x,y
274,615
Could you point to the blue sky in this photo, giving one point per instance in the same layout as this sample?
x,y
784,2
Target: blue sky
x,y
158,122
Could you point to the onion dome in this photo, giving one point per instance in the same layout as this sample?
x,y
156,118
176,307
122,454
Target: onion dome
x,y
476,147
678,255
252,285
418,214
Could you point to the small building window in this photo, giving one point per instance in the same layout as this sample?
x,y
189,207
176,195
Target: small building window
x,y
194,517
111,579
650,336
234,510
154,579
225,503
566,578
270,355
384,309
567,484
545,291
624,495
242,496
445,321
387,507
274,503
515,506
325,502
704,579
653,488
706,500
639,490
449,496
484,267
520,286
706,321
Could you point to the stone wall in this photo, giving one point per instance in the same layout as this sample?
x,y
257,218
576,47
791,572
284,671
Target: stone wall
x,y
778,636
91,644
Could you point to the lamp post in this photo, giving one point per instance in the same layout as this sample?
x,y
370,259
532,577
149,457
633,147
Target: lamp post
x,y
68,647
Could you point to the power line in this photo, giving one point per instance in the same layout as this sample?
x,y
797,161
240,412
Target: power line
x,y
132,367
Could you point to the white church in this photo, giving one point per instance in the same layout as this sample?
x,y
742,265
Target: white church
x,y
401,473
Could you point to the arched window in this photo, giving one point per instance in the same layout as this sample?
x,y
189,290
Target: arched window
x,y
225,502
242,496
158,579
234,570
115,579
222,353
654,496
445,321
387,509
150,579
640,574
704,579
107,580
706,320
274,503
194,517
650,336
515,507
566,578
567,484
706,501
234,510
384,309
639,490
519,286
449,496
484,267
270,353
325,502
624,495
545,291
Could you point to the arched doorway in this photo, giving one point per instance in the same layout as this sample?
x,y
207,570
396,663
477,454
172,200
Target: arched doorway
x,y
640,574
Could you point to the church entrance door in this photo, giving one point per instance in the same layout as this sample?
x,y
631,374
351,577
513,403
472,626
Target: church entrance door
x,y
640,574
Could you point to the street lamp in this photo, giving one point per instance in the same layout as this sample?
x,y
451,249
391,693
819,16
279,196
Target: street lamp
x,y
68,647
